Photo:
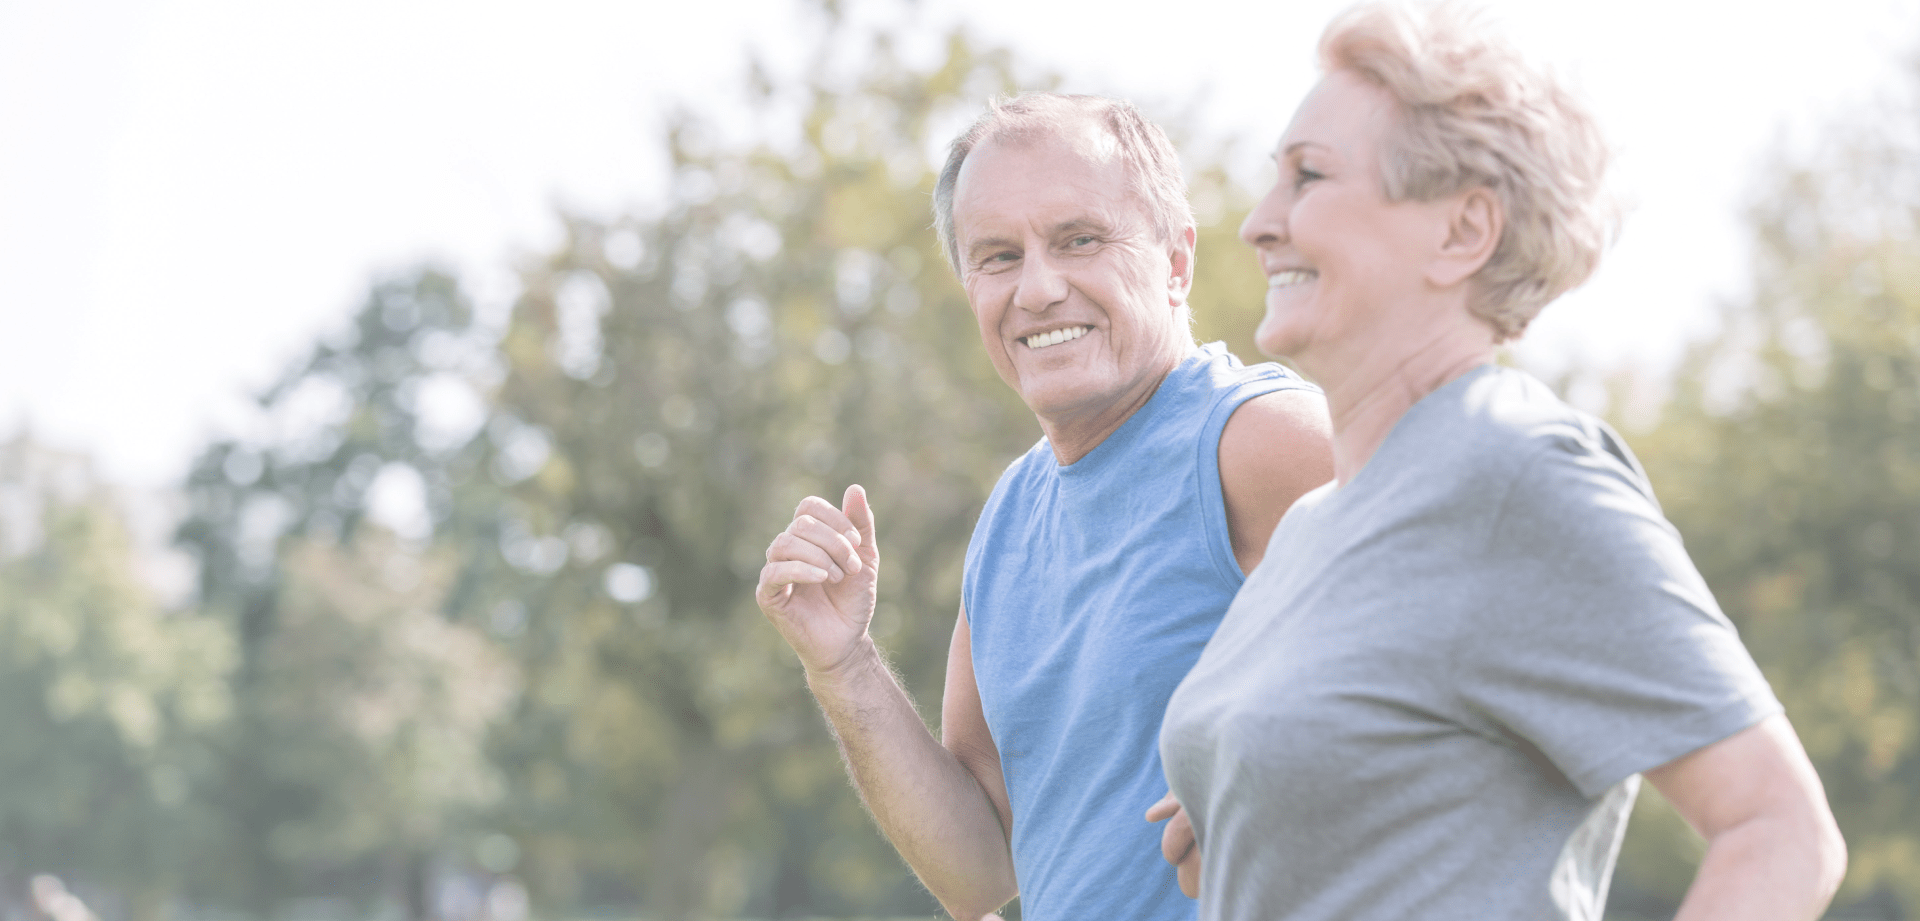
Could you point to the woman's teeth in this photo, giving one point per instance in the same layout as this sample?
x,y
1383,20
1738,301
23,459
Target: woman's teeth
x,y
1056,337
1291,277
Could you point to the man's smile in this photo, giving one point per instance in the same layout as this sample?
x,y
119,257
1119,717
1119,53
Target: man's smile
x,y
1055,337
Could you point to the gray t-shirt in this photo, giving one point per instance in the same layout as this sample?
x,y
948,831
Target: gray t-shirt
x,y
1432,698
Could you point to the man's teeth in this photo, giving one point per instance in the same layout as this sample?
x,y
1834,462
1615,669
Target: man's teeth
x,y
1291,277
1056,337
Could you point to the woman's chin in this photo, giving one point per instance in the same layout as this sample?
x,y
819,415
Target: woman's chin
x,y
1275,337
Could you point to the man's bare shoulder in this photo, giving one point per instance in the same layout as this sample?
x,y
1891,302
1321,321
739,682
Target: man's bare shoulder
x,y
1274,449
1279,434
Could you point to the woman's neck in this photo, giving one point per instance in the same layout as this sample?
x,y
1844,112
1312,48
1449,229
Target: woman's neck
x,y
1367,396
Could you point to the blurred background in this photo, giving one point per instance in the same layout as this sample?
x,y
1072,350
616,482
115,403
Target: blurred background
x,y
396,400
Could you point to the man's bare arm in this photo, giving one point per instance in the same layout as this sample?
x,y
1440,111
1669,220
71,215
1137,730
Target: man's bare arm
x,y
1274,449
818,588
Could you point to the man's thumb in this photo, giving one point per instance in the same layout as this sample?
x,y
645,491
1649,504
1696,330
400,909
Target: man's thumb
x,y
855,506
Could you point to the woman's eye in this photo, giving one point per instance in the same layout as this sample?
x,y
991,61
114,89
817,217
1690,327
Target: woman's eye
x,y
1302,176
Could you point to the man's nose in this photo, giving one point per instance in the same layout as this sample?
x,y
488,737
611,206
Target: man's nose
x,y
1042,284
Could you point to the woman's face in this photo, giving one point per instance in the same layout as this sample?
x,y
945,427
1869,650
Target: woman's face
x,y
1340,259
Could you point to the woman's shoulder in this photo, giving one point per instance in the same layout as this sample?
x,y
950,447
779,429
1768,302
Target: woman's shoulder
x,y
1556,454
1512,411
1497,430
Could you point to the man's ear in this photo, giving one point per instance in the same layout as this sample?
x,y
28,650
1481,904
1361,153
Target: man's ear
x,y
1180,279
1474,224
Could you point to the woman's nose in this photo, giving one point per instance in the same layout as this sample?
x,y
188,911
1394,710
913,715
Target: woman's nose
x,y
1266,224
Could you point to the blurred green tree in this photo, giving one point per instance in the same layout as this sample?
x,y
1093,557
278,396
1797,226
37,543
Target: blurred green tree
x,y
392,703
330,539
1789,455
108,702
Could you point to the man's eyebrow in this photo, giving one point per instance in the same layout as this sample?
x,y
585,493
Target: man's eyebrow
x,y
1080,223
986,243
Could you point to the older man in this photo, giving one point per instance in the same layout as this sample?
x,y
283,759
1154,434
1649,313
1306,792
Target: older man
x,y
1106,555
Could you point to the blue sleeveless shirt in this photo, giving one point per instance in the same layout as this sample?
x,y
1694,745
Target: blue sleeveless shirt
x,y
1090,590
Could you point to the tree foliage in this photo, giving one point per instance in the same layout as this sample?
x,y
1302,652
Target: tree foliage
x,y
363,703
108,702
393,701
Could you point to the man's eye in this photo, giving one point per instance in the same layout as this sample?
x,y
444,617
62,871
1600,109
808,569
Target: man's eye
x,y
998,260
1083,240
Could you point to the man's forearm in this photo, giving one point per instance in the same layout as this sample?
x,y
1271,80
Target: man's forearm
x,y
925,801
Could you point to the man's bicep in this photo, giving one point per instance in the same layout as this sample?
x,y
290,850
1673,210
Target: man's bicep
x,y
1274,449
963,724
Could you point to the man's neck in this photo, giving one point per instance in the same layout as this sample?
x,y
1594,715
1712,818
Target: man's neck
x,y
1074,435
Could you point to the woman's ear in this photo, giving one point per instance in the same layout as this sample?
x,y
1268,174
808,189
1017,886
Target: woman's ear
x,y
1474,223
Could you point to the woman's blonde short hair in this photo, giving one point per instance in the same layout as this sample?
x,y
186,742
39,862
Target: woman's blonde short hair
x,y
1474,113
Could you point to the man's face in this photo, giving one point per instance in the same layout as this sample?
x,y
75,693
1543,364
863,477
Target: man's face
x,y
1078,298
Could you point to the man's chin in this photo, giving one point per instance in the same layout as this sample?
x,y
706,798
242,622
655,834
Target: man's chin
x,y
1050,399
1046,403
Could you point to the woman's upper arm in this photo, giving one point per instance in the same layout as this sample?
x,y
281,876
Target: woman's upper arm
x,y
1773,850
1760,773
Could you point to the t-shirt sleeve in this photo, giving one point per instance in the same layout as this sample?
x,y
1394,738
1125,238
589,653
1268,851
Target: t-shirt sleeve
x,y
1598,643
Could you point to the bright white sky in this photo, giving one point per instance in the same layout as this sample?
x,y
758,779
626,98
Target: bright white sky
x,y
192,190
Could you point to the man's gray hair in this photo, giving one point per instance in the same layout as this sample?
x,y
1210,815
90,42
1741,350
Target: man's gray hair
x,y
1149,157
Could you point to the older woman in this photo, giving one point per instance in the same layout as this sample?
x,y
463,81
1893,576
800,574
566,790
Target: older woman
x,y
1436,695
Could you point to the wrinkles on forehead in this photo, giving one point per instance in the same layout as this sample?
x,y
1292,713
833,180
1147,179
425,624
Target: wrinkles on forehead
x,y
1005,205
1112,208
